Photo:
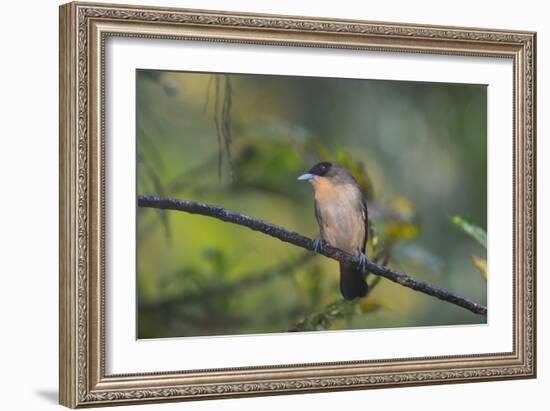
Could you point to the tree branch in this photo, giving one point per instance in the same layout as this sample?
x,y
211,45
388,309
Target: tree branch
x,y
248,281
194,207
334,311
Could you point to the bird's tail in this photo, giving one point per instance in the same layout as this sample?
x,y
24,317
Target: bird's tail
x,y
353,283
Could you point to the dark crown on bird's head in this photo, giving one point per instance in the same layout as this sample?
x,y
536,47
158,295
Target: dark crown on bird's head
x,y
333,171
321,169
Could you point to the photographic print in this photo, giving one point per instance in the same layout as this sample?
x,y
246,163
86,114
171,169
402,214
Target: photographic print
x,y
390,172
335,204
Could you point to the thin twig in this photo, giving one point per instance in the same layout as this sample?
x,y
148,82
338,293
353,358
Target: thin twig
x,y
218,128
159,188
207,99
226,125
248,281
299,240
337,309
222,122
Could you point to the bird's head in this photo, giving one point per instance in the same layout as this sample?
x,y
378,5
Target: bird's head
x,y
318,170
329,172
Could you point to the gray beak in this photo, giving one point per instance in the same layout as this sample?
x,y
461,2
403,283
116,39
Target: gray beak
x,y
306,177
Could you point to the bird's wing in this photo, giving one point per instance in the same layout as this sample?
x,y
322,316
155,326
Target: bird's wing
x,y
366,220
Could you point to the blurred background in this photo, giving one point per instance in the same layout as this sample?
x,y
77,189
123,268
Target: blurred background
x,y
418,150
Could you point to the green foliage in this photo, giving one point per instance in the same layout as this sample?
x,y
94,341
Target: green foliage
x,y
357,169
266,164
477,233
471,229
241,141
481,265
335,312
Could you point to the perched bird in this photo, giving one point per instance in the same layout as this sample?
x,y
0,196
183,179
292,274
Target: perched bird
x,y
341,212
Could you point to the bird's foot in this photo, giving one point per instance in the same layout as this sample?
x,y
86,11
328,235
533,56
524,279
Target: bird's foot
x,y
317,243
362,261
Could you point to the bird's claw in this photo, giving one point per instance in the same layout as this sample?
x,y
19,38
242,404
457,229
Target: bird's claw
x,y
317,243
362,261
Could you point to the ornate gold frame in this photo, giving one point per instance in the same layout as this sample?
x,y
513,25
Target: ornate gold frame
x,y
83,30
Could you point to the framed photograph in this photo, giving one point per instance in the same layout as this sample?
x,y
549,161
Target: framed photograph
x,y
259,204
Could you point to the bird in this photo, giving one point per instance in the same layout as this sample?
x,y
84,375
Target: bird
x,y
341,212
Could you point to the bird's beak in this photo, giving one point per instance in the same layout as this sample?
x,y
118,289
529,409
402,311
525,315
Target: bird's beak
x,y
306,177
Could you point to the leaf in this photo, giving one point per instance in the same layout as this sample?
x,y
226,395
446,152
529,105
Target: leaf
x,y
269,165
374,235
369,305
324,319
472,230
480,264
403,207
400,231
358,171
